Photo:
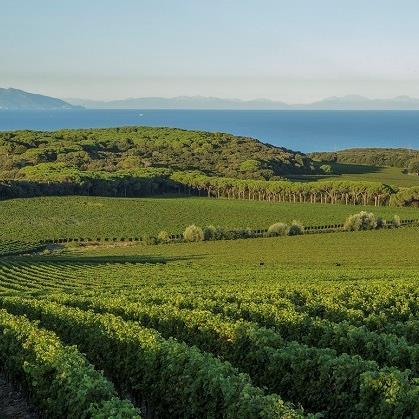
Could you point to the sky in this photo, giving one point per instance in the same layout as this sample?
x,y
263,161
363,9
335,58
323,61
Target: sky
x,y
296,50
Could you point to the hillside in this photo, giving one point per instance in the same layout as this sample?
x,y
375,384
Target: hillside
x,y
15,99
394,157
132,148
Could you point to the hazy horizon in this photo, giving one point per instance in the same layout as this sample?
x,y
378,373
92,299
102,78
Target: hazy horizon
x,y
234,98
296,52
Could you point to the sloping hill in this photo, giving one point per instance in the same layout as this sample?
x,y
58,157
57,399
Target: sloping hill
x,y
394,157
15,99
131,148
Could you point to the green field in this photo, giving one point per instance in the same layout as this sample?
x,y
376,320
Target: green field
x,y
324,323
389,175
367,249
55,217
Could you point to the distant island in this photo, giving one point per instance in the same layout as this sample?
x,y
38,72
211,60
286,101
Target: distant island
x,y
350,102
15,99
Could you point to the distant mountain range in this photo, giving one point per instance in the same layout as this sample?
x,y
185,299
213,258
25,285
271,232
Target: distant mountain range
x,y
14,99
180,102
355,102
350,102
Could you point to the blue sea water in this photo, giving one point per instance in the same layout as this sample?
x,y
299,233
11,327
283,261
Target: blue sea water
x,y
298,130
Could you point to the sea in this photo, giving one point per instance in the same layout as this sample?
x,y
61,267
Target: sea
x,y
306,131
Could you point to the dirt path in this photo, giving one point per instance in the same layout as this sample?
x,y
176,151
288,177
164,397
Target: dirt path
x,y
13,404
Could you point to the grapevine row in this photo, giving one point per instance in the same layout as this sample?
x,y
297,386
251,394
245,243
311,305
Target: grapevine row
x,y
60,380
321,379
173,379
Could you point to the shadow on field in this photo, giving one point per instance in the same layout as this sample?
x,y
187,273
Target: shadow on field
x,y
100,260
350,168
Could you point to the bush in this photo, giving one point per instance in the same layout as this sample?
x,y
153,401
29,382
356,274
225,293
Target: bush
x,y
277,229
361,221
414,167
218,233
381,222
210,233
150,240
232,234
163,236
249,233
406,197
326,168
193,233
295,228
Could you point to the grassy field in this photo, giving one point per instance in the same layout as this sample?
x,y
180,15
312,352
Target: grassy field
x,y
49,217
389,175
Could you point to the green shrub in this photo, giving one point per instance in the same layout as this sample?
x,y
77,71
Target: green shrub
x,y
361,221
277,229
231,234
150,240
414,167
163,237
248,233
381,222
210,233
295,228
326,168
193,233
241,233
220,233
406,197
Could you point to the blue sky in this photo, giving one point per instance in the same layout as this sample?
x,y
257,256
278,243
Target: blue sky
x,y
297,50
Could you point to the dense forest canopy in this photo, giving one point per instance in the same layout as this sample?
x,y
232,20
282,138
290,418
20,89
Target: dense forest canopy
x,y
132,148
394,157
143,161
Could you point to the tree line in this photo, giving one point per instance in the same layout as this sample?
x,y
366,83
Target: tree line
x,y
326,192
71,181
394,157
159,181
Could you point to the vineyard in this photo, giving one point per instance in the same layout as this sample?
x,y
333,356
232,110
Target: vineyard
x,y
34,219
179,331
160,271
17,247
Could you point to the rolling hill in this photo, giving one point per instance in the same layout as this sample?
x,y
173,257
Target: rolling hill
x,y
15,99
128,148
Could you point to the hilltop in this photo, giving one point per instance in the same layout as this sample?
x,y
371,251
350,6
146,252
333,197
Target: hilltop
x,y
15,99
132,148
